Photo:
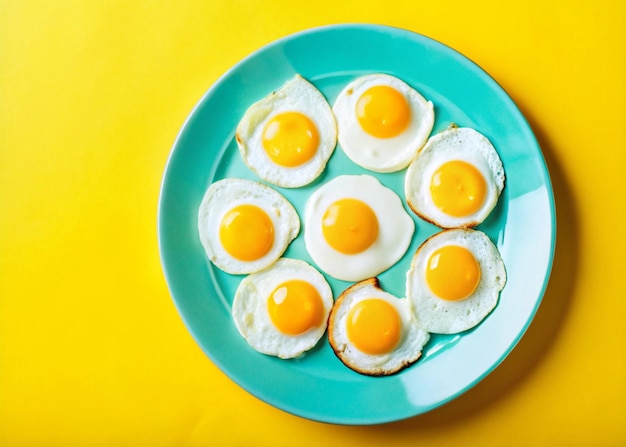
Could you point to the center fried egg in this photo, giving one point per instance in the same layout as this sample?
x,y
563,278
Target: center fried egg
x,y
356,228
283,310
374,332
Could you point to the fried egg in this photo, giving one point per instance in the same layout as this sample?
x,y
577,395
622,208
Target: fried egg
x,y
382,122
374,332
245,226
283,310
287,137
455,280
456,179
356,228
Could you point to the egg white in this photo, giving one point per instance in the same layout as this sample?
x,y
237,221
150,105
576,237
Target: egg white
x,y
251,316
395,228
442,316
382,154
296,95
407,351
454,143
228,193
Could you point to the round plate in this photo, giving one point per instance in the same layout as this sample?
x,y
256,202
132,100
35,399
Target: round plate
x,y
318,386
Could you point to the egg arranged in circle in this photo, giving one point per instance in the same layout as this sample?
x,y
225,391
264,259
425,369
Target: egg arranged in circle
x,y
245,226
382,122
374,332
283,310
455,280
456,180
287,137
356,228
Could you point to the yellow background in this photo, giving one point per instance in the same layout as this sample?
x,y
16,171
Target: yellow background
x,y
92,95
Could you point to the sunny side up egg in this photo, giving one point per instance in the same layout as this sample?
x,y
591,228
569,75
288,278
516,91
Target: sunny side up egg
x,y
455,280
245,226
382,122
283,310
287,137
355,228
456,179
373,332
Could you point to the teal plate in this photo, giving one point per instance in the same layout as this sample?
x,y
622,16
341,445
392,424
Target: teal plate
x,y
318,386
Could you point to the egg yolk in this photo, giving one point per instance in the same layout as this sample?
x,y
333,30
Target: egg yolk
x,y
290,139
383,112
349,226
295,307
452,273
458,188
246,232
373,326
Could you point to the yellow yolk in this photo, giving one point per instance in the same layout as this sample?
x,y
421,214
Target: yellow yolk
x,y
383,112
349,226
373,326
458,188
295,307
246,232
452,273
290,139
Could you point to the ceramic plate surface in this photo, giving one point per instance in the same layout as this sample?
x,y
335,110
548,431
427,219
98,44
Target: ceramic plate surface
x,y
318,386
